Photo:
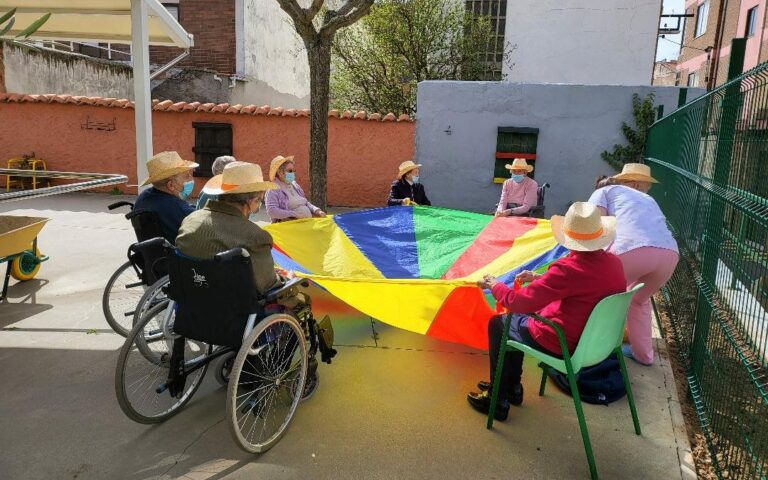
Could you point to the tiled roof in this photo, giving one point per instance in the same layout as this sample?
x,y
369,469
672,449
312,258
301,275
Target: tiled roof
x,y
225,108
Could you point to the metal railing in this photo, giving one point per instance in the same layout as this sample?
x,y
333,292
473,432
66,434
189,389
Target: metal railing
x,y
711,157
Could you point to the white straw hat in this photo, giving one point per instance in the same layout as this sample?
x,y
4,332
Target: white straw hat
x,y
519,164
165,165
278,162
238,177
406,167
583,228
637,172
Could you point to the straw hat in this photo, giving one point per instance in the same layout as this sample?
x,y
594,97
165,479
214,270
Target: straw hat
x,y
519,164
636,172
277,162
583,228
238,177
165,165
406,167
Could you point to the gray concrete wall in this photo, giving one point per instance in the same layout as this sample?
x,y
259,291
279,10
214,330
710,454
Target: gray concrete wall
x,y
40,72
576,123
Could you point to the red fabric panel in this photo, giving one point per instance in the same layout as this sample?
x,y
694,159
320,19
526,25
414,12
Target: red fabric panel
x,y
463,318
495,239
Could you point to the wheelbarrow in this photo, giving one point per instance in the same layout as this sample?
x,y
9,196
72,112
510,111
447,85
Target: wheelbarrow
x,y
18,247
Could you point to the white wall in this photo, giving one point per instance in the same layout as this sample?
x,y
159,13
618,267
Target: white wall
x,y
275,61
592,42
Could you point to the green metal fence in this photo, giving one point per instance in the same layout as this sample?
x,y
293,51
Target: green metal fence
x,y
711,157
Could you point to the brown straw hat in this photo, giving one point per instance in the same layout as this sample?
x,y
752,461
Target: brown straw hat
x,y
519,164
238,177
637,172
583,228
278,162
165,165
406,167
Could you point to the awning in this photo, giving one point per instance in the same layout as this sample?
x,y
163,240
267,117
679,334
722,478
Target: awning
x,y
95,21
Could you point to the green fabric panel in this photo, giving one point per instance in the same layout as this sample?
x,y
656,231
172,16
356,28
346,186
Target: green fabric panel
x,y
442,235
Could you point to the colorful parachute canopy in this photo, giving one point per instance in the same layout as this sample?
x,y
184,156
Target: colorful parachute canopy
x,y
415,267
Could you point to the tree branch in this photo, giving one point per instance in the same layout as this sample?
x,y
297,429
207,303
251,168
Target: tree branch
x,y
348,14
301,21
313,9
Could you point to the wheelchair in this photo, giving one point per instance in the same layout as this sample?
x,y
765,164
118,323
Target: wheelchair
x,y
263,352
130,283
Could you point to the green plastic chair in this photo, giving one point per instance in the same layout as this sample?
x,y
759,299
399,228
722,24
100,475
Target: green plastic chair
x,y
603,335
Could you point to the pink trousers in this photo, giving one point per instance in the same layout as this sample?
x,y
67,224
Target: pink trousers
x,y
653,267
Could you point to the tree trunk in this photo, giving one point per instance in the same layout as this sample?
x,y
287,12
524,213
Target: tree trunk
x,y
319,53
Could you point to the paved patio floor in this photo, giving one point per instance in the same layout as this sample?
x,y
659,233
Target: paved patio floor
x,y
389,407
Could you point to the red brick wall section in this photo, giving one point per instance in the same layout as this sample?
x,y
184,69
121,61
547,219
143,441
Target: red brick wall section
x,y
363,155
212,22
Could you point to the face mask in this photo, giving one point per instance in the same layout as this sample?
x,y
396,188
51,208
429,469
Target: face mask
x,y
290,177
415,179
186,191
518,178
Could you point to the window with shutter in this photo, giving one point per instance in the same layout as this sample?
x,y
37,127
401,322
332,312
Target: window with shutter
x,y
211,140
511,143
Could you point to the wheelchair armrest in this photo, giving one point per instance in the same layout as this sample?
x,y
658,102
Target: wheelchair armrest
x,y
152,242
231,254
279,292
120,204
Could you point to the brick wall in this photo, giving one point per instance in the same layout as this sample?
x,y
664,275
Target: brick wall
x,y
212,22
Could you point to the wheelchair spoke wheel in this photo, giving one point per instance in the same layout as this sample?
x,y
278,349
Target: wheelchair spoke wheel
x,y
143,368
153,296
121,295
266,382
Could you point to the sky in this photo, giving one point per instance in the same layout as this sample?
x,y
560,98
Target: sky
x,y
666,48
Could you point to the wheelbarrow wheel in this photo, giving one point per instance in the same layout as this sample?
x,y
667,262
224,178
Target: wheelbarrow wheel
x,y
25,266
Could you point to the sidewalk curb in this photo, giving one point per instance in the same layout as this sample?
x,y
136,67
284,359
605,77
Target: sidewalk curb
x,y
684,454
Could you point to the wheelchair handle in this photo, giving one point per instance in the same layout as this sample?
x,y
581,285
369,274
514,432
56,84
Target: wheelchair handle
x,y
120,204
231,254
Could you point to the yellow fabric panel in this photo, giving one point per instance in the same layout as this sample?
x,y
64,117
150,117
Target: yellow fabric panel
x,y
408,304
321,247
526,247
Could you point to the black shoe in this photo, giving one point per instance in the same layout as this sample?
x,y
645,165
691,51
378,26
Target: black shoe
x,y
482,403
515,397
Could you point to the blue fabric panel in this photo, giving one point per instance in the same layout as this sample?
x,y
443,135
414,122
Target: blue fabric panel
x,y
387,237
287,263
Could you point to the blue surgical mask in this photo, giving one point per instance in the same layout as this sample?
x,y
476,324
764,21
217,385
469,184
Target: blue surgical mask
x,y
290,177
187,190
415,179
518,178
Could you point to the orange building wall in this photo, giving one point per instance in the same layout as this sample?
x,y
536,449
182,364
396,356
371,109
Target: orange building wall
x,y
362,156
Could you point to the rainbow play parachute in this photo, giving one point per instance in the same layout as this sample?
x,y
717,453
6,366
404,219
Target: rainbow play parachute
x,y
415,267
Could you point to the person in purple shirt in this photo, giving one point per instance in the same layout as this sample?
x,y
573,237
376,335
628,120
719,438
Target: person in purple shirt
x,y
172,183
288,202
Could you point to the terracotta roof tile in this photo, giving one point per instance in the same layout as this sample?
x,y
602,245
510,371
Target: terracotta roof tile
x,y
223,108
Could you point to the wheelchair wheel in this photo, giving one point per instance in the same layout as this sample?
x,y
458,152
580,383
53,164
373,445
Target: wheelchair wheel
x,y
154,295
265,384
143,366
123,291
310,386
222,368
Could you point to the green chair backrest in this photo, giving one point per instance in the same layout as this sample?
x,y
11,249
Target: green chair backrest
x,y
604,330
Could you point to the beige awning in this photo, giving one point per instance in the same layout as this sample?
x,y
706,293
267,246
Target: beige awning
x,y
95,21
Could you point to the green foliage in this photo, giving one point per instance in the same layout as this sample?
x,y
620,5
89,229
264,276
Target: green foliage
x,y
378,62
644,113
8,20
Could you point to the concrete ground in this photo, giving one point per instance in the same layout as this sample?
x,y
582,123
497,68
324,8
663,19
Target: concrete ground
x,y
389,407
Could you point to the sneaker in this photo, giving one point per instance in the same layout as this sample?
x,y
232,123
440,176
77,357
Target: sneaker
x,y
482,403
515,397
626,350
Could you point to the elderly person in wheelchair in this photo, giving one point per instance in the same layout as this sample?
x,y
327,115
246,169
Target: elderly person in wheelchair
x,y
226,305
519,194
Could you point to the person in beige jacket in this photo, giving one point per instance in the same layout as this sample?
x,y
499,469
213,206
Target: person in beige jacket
x,y
223,224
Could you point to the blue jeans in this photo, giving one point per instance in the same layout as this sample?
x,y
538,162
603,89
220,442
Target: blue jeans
x,y
512,368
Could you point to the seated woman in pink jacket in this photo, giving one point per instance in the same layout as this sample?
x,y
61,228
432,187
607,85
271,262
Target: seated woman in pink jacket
x,y
566,294
519,193
288,202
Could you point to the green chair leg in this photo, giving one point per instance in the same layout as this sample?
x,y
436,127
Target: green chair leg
x,y
544,374
582,424
628,387
495,389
